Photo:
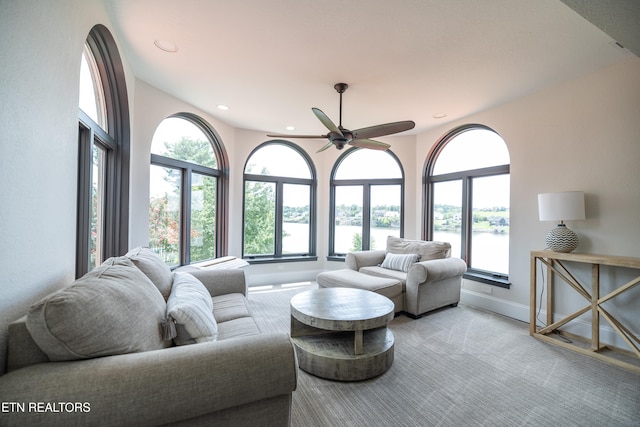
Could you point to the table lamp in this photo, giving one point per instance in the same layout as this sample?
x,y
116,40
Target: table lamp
x,y
564,206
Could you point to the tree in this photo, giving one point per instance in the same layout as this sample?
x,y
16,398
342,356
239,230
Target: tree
x,y
259,219
356,242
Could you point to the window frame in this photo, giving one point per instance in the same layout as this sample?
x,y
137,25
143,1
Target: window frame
x,y
366,184
279,182
116,143
466,177
222,189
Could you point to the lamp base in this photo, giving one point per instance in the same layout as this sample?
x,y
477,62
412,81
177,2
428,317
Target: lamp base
x,y
561,239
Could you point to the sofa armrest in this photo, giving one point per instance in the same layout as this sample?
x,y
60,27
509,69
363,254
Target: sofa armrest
x,y
222,281
435,269
155,387
357,260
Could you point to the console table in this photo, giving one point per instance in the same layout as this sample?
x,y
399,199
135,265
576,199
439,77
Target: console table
x,y
555,263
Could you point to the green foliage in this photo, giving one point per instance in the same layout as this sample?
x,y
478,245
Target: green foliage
x,y
193,151
203,218
356,242
259,220
164,236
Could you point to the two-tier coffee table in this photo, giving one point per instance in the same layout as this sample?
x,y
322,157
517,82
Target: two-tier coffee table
x,y
341,333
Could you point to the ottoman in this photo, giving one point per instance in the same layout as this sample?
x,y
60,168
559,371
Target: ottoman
x,y
346,278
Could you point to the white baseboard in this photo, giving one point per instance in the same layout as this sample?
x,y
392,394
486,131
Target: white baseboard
x,y
520,312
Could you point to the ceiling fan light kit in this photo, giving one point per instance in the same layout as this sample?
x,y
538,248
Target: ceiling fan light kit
x,y
339,136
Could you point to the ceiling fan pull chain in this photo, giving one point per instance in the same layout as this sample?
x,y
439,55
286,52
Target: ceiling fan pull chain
x,y
340,119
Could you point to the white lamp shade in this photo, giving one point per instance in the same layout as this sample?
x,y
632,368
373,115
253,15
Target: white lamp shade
x,y
564,206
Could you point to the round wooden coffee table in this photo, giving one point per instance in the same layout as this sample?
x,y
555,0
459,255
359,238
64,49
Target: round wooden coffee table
x,y
341,333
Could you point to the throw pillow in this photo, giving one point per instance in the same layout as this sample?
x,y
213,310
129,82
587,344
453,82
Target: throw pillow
x,y
113,309
399,262
154,268
426,249
191,308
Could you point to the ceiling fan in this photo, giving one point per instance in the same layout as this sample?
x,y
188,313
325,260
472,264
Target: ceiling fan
x,y
340,136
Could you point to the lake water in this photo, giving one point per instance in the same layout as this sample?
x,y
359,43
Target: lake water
x,y
490,250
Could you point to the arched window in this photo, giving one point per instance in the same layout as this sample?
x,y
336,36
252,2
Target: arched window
x,y
367,201
187,194
279,204
103,165
467,197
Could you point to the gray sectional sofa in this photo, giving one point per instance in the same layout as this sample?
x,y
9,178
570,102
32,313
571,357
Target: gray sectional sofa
x,y
103,352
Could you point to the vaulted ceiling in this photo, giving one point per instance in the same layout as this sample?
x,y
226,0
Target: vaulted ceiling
x,y
271,61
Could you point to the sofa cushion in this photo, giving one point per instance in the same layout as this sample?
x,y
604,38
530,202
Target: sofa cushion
x,y
378,271
426,249
155,269
240,327
346,278
230,306
190,306
114,309
399,262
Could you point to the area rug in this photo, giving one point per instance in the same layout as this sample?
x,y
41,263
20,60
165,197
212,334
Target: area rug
x,y
461,366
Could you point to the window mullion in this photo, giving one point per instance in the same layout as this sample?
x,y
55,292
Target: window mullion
x,y
279,217
467,215
185,222
366,217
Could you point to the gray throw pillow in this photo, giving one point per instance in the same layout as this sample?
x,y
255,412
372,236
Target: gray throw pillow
x,y
191,308
113,309
399,262
155,269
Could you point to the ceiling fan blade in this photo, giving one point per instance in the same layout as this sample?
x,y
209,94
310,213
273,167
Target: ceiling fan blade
x,y
329,145
385,129
369,143
281,135
326,120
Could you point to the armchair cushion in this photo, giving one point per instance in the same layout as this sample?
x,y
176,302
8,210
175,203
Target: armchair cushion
x,y
114,309
426,249
190,306
399,262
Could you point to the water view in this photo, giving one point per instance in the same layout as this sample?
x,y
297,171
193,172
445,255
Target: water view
x,y
491,250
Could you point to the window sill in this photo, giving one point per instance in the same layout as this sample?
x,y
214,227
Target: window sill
x,y
488,278
273,260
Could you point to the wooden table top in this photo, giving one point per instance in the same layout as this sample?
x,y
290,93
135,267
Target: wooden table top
x,y
342,309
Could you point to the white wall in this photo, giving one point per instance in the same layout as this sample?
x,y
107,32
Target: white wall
x,y
580,135
40,50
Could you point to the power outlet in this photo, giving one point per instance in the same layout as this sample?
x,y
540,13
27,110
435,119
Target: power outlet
x,y
486,289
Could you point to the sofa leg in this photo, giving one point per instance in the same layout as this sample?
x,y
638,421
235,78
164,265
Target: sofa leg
x,y
455,304
413,316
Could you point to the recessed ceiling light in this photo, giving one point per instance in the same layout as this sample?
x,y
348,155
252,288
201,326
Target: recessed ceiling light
x,y
291,128
222,107
166,45
439,116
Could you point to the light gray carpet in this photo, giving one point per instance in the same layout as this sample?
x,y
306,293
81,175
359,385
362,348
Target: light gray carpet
x,y
462,367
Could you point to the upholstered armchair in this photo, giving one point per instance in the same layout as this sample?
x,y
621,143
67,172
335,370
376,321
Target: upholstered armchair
x,y
430,277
